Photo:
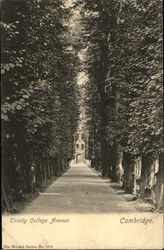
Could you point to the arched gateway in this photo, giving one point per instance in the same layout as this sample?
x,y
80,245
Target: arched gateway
x,y
79,147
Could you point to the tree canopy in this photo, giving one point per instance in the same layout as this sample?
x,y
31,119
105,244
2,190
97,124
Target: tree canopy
x,y
39,93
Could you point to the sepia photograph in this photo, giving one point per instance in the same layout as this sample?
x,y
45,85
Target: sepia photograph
x,y
82,124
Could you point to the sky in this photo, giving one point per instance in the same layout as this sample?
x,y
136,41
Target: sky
x,y
82,77
68,2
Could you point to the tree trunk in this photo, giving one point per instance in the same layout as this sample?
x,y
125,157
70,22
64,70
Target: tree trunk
x,y
109,167
159,185
62,164
147,176
51,170
44,169
65,162
55,164
129,180
104,162
116,155
52,166
48,168
97,160
58,164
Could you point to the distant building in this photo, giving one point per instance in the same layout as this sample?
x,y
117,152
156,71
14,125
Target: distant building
x,y
79,147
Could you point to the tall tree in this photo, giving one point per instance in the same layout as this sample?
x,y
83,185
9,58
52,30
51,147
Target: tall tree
x,y
40,98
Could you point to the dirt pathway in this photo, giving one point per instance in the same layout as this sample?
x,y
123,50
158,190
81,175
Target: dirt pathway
x,y
79,190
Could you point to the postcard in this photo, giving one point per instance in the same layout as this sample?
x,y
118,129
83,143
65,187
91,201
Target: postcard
x,y
82,124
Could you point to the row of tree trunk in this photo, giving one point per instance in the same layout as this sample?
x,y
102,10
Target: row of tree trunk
x,y
44,169
28,175
120,167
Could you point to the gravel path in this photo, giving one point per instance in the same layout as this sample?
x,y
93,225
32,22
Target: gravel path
x,y
79,190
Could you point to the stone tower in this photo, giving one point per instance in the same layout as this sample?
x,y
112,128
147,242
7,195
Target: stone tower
x,y
79,146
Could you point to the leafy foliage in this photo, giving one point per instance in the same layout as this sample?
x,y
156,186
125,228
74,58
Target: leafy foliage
x,y
39,93
124,68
